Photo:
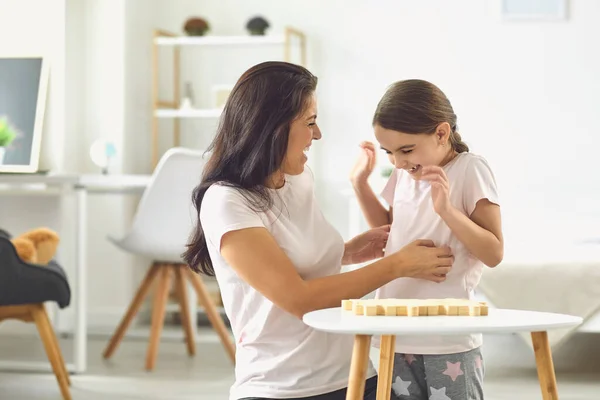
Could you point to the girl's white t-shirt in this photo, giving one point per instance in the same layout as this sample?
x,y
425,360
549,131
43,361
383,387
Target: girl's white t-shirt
x,y
277,355
471,179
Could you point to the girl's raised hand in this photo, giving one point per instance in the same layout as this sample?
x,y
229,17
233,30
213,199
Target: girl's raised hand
x,y
364,165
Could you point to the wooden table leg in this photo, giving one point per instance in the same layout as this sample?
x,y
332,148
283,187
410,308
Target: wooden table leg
x,y
386,367
358,367
545,365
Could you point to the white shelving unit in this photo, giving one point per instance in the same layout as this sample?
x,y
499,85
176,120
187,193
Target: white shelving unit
x,y
188,113
171,109
219,40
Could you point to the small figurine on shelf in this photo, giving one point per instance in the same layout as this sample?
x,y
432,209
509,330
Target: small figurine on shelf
x,y
188,97
257,26
196,26
102,152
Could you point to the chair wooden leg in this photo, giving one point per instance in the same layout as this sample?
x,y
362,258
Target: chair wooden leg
x,y
53,352
158,315
212,313
180,281
61,359
131,312
545,365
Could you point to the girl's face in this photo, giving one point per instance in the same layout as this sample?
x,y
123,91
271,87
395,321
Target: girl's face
x,y
412,152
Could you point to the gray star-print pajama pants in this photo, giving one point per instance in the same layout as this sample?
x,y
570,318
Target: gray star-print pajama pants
x,y
439,377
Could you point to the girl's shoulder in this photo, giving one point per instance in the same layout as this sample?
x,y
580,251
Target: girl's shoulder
x,y
466,162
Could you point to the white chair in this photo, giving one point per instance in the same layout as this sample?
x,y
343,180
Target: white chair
x,y
160,230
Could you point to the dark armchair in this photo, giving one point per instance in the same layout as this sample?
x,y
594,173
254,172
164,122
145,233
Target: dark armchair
x,y
24,288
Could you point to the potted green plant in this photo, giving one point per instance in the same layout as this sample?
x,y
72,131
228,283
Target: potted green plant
x,y
386,171
7,135
257,26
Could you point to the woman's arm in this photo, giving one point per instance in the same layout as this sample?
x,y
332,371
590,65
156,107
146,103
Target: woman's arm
x,y
257,258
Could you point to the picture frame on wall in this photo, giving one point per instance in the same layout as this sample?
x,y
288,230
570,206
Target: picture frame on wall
x,y
534,10
23,96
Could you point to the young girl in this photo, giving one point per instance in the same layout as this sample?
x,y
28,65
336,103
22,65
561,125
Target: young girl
x,y
437,191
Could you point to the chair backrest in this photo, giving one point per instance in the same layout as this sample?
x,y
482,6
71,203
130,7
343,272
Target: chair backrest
x,y
166,214
24,283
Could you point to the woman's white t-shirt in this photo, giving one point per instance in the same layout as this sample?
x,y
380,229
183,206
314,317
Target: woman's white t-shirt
x,y
277,355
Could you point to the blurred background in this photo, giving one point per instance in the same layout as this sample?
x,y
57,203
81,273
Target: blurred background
x,y
135,78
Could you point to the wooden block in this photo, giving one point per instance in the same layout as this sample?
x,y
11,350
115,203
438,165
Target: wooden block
x,y
423,310
347,305
443,310
402,311
358,308
452,310
370,310
433,310
390,310
413,311
464,311
484,308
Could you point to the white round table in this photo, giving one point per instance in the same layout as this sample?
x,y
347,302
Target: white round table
x,y
336,320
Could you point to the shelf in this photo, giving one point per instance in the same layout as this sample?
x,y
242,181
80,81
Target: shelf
x,y
188,113
218,40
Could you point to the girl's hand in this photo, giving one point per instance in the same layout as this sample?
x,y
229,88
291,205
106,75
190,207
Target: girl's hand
x,y
366,246
440,188
364,165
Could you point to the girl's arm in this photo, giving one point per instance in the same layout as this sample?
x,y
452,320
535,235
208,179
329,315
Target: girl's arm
x,y
481,233
374,212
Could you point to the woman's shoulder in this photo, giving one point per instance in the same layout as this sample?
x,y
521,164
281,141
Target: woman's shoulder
x,y
221,191
221,197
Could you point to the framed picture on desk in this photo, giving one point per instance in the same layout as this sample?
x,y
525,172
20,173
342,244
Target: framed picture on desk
x,y
23,93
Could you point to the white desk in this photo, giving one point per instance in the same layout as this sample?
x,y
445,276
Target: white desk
x,y
81,186
335,320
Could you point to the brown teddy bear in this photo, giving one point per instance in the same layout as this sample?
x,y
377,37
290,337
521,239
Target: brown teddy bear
x,y
36,246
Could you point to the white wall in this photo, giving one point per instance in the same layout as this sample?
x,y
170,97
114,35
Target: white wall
x,y
525,93
22,39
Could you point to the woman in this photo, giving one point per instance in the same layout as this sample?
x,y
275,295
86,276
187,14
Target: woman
x,y
274,255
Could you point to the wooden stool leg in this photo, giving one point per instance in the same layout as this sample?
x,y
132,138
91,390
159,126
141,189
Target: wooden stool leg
x,y
54,356
131,312
61,359
158,315
180,281
212,313
545,365
386,367
358,367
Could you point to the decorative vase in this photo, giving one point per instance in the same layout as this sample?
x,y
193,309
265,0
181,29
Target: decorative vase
x,y
2,152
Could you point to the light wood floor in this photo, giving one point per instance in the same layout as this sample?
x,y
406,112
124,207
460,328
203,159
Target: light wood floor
x,y
209,374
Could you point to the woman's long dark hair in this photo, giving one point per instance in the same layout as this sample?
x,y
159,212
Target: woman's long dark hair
x,y
251,141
